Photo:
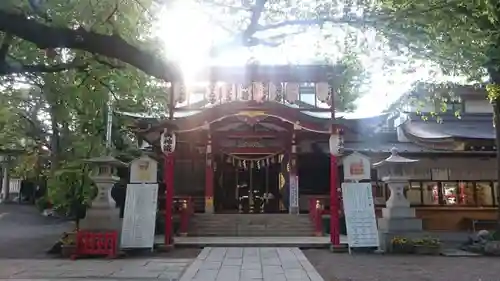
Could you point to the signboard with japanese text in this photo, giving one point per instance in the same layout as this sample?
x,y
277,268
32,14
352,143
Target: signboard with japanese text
x,y
294,192
138,229
356,167
359,210
144,170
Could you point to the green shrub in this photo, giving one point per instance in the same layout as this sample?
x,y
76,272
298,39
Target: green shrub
x,y
42,203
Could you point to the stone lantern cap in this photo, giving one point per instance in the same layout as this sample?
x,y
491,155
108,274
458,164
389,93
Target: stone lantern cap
x,y
394,159
106,160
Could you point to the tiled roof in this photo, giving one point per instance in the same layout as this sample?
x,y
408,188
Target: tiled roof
x,y
477,126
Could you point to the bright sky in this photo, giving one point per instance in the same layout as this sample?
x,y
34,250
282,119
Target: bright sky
x,y
194,34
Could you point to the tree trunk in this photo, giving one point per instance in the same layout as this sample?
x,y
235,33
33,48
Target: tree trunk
x,y
496,117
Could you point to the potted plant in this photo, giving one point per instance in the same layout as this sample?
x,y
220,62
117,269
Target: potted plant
x,y
68,244
427,246
401,245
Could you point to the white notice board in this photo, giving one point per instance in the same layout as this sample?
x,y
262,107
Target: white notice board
x,y
138,229
359,213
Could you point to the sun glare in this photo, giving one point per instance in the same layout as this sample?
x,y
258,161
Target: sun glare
x,y
188,36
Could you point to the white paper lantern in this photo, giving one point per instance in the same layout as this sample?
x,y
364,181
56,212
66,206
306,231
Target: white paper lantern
x,y
322,89
271,91
292,92
167,141
336,144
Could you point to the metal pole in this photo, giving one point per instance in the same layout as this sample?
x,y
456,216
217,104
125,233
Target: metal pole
x,y
109,123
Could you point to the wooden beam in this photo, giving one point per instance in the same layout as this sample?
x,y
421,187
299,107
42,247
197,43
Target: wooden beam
x,y
251,150
248,135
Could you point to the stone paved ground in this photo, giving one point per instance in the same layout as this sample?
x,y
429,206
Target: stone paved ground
x,y
132,269
26,234
363,267
255,264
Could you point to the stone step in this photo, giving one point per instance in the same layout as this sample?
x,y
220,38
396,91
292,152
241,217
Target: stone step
x,y
254,225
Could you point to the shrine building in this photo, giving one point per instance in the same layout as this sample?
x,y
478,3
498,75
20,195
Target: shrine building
x,y
265,140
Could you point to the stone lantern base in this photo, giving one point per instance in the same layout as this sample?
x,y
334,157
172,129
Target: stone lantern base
x,y
102,219
398,218
102,215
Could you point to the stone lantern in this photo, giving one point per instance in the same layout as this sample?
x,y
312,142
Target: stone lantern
x,y
102,213
398,218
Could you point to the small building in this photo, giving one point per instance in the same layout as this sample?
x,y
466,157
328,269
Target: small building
x,y
244,138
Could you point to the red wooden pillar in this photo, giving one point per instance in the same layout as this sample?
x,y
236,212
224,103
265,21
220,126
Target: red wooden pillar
x,y
209,178
334,203
334,145
168,177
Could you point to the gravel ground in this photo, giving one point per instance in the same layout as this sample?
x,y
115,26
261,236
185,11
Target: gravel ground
x,y
25,233
365,267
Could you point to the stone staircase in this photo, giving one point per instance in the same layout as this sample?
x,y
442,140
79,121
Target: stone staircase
x,y
255,225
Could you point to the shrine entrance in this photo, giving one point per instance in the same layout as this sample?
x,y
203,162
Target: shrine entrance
x,y
247,184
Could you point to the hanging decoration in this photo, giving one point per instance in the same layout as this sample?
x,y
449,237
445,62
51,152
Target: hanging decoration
x,y
245,91
211,93
271,91
292,91
258,91
228,91
322,91
179,92
259,163
280,92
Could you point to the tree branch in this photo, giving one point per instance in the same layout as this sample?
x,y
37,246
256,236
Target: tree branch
x,y
257,10
4,48
44,37
7,68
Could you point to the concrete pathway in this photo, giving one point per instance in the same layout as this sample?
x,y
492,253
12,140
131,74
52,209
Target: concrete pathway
x,y
251,264
96,269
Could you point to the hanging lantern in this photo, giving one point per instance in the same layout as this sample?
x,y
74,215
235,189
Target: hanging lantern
x,y
167,141
179,91
322,91
224,93
292,91
271,91
279,93
336,143
212,95
245,91
258,91
231,93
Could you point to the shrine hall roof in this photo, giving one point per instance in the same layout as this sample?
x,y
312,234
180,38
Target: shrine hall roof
x,y
258,72
471,126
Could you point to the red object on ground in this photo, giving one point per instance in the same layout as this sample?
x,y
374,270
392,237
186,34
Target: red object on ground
x,y
186,212
334,203
168,177
96,244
